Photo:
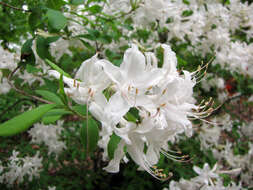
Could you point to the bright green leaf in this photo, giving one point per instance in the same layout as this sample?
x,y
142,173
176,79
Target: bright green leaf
x,y
56,19
54,115
77,2
50,96
42,48
95,9
22,122
55,67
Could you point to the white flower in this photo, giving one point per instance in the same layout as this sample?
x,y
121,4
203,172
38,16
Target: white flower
x,y
4,86
92,81
8,60
50,135
51,188
206,174
18,167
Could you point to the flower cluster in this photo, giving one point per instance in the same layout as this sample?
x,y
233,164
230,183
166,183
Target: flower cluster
x,y
209,26
207,179
18,168
161,97
48,134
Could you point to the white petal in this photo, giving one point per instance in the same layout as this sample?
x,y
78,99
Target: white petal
x,y
56,74
113,165
169,59
133,63
85,70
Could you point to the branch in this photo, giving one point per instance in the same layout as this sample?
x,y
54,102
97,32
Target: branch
x,y
12,7
23,92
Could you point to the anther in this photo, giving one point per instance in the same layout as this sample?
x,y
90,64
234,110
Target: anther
x,y
162,105
149,88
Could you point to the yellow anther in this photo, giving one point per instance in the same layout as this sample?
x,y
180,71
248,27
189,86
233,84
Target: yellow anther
x,y
149,88
162,105
164,91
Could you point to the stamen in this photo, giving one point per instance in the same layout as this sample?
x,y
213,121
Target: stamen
x,y
149,88
162,105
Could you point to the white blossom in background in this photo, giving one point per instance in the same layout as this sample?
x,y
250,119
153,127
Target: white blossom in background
x,y
207,179
211,81
51,188
209,135
150,11
4,85
49,135
117,6
247,130
210,26
8,60
30,78
60,47
17,168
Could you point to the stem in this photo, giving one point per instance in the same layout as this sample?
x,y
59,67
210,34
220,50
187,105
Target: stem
x,y
87,131
12,7
23,92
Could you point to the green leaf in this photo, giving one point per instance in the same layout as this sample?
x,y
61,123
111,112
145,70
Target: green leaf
x,y
27,55
62,94
112,145
34,19
55,67
90,138
22,122
56,20
77,2
42,48
186,2
51,119
81,109
53,115
50,96
55,4
187,13
31,69
95,9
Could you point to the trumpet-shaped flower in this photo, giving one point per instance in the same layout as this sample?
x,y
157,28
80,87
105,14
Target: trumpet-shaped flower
x,y
90,80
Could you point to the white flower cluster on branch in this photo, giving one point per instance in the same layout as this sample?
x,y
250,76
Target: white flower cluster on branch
x,y
163,98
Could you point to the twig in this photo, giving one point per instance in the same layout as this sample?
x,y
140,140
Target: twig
x,y
12,7
23,92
